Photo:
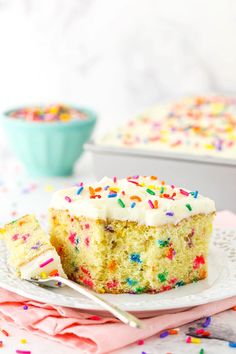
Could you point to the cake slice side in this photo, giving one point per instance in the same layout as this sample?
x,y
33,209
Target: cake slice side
x,y
30,253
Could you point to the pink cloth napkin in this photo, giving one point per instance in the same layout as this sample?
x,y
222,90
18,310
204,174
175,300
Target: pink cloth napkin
x,y
94,334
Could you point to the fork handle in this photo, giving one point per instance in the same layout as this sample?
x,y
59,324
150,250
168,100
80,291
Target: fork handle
x,y
122,315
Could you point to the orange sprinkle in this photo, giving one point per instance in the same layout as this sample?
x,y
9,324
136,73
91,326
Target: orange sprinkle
x,y
91,191
155,204
154,177
112,266
163,183
234,308
136,197
98,189
21,223
173,331
54,273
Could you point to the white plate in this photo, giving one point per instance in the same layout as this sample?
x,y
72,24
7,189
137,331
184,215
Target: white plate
x,y
220,284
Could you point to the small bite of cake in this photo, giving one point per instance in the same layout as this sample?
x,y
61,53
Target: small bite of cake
x,y
133,235
30,253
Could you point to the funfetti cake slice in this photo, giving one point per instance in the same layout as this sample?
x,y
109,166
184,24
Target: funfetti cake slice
x,y
30,253
132,235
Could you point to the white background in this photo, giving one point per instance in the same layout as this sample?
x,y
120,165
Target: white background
x,y
115,56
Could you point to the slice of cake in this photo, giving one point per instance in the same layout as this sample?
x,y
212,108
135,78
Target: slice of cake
x,y
30,252
132,235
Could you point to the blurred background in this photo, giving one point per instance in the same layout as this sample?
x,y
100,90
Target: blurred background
x,y
115,57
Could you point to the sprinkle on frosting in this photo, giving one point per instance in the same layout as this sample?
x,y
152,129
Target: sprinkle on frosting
x,y
142,199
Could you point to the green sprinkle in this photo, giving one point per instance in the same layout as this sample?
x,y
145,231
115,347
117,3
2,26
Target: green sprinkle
x,y
122,204
162,276
140,290
202,351
162,190
189,207
150,191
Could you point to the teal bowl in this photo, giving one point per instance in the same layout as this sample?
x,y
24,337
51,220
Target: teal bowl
x,y
48,149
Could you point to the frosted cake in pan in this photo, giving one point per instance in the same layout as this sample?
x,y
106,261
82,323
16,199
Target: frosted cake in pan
x,y
201,125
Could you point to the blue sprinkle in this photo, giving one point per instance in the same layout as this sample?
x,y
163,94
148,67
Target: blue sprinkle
x,y
79,190
135,257
131,282
232,344
112,195
195,194
132,205
169,213
164,334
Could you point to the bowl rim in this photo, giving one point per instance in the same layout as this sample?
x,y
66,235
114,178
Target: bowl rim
x,y
92,118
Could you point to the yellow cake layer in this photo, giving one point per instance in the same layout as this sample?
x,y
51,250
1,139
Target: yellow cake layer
x,y
126,257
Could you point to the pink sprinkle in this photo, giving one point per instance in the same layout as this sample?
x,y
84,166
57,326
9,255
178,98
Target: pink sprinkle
x,y
87,226
182,191
87,241
25,237
81,184
200,331
88,282
140,342
68,199
151,204
112,284
172,186
123,192
46,262
188,340
95,318
114,179
15,237
23,351
72,237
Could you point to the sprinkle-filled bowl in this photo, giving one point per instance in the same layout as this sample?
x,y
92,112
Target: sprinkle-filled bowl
x,y
48,147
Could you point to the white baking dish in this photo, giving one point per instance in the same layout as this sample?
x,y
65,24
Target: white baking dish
x,y
211,176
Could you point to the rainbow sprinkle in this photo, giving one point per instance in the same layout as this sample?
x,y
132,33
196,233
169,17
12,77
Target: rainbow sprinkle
x,y
122,204
46,262
80,190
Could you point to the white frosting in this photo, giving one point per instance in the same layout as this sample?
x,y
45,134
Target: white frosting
x,y
109,208
32,269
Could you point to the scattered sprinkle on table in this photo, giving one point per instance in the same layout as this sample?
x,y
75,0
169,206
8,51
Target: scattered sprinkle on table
x,y
164,334
207,322
5,332
25,307
140,342
18,351
23,341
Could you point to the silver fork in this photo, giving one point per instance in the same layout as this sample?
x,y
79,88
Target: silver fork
x,y
124,316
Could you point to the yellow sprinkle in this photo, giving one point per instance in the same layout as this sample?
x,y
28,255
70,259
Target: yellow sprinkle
x,y
209,147
196,340
43,275
2,232
151,186
115,189
23,341
65,117
48,188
